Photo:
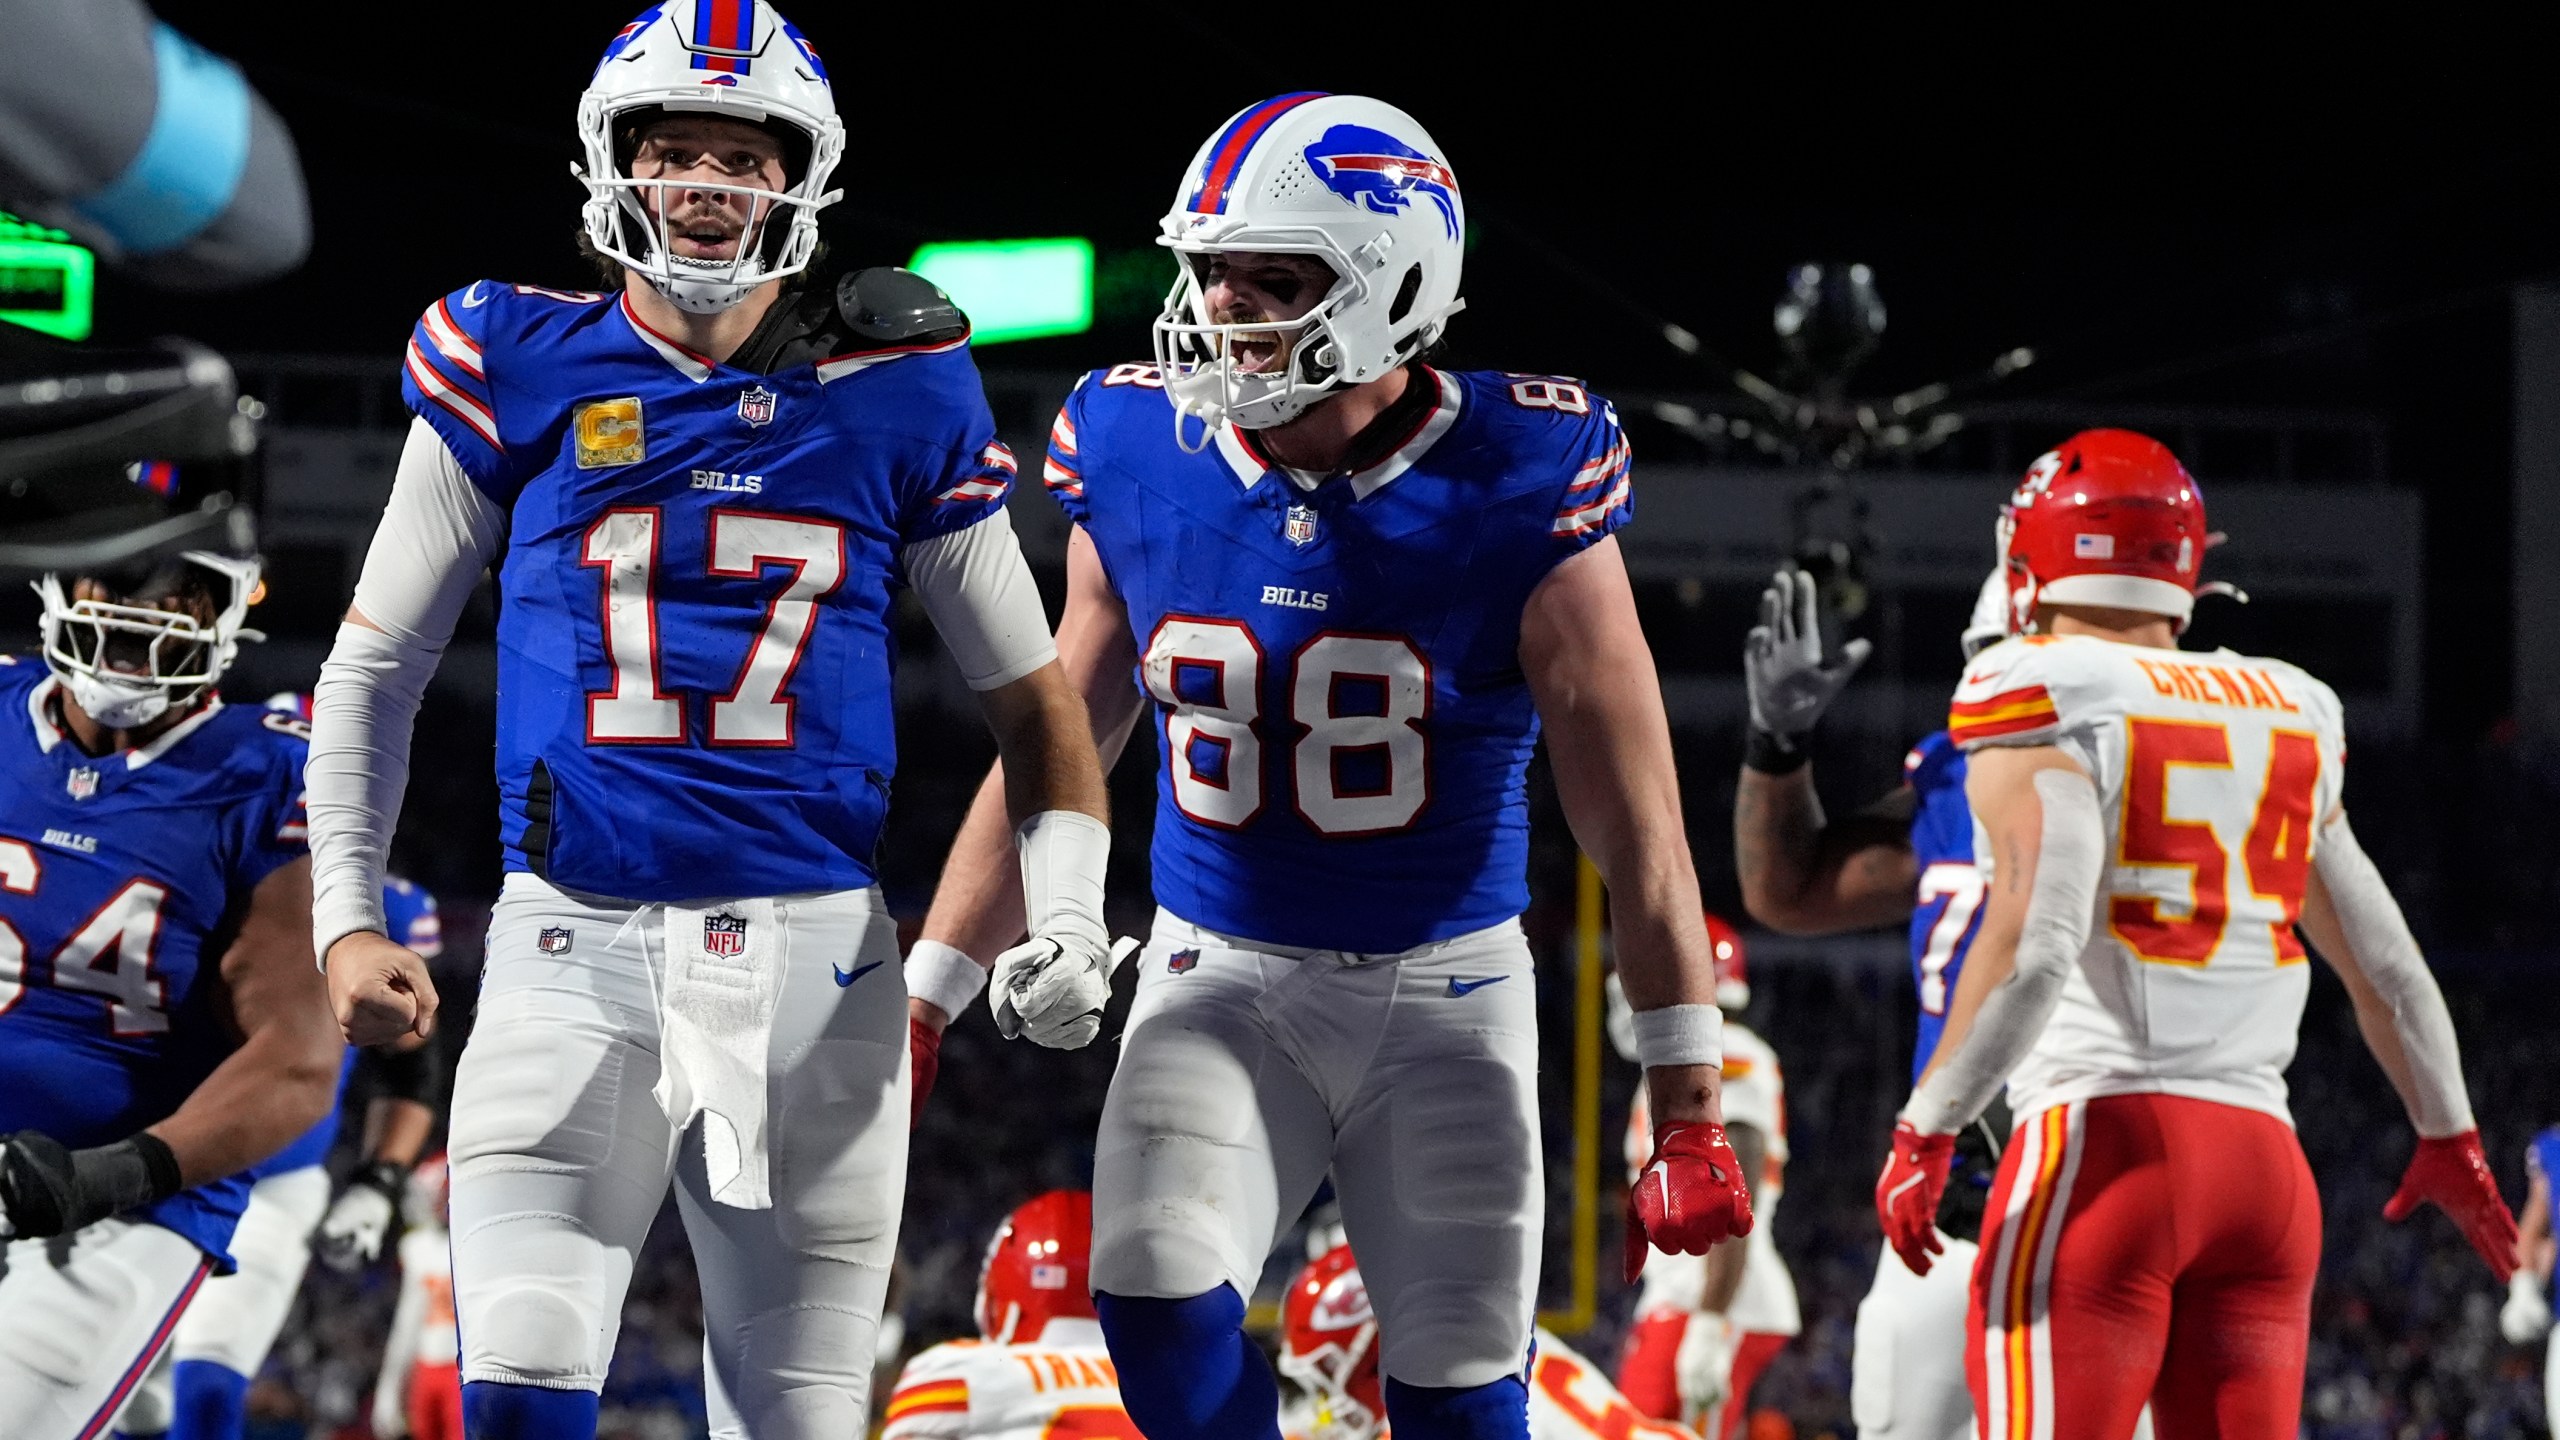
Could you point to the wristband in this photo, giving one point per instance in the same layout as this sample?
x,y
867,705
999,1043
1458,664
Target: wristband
x,y
1773,754
944,977
389,1177
1680,1035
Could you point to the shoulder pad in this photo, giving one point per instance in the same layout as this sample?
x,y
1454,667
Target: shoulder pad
x,y
885,305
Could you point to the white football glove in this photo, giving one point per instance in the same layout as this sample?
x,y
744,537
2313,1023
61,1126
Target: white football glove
x,y
351,1235
2526,1317
1052,988
1788,678
1703,1367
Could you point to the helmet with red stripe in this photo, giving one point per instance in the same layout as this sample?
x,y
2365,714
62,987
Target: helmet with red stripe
x,y
1036,1269
727,59
1329,1344
2107,518
1351,181
1733,987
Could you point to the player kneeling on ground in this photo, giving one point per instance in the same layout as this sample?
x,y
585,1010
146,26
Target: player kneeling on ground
x,y
161,1026
1350,588
1038,1370
2154,826
1329,1347
708,489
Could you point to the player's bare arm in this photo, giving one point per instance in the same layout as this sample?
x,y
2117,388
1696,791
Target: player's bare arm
x,y
2351,919
1804,874
977,907
284,1076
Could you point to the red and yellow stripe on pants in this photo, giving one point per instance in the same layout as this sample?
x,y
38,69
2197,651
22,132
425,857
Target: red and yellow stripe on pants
x,y
2145,1248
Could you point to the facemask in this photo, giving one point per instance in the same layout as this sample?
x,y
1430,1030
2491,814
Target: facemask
x,y
118,703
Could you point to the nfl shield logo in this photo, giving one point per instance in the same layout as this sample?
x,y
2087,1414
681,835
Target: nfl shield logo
x,y
1182,960
554,940
755,405
82,783
1300,528
724,935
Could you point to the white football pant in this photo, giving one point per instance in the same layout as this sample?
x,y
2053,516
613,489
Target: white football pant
x,y
82,1317
1906,1362
561,1156
1253,1069
236,1318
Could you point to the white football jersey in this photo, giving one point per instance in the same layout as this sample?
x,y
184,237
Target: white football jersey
x,y
2213,773
1569,1399
1062,1388
1755,1094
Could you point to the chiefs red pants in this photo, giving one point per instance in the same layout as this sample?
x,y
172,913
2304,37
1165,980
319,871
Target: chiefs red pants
x,y
2145,1247
435,1402
1649,1372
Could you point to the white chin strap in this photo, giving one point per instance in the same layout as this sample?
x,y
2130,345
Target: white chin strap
x,y
698,295
117,703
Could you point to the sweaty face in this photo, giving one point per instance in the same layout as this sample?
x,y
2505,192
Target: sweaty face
x,y
707,224
1245,286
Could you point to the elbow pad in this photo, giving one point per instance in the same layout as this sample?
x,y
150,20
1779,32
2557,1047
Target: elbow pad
x,y
2060,910
2389,957
415,1075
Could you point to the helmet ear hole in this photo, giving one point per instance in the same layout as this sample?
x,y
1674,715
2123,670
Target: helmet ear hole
x,y
1405,295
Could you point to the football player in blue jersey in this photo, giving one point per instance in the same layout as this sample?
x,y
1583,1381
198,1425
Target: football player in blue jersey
x,y
161,1026
703,492
199,1388
1907,857
1347,588
2526,1317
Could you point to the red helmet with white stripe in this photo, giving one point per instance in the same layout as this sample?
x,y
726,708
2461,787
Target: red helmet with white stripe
x,y
1036,1269
1733,987
1329,1344
2107,518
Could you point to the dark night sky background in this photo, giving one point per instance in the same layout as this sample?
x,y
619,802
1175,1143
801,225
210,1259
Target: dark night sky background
x,y
2327,218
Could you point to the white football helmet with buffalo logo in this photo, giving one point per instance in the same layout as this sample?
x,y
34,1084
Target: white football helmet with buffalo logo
x,y
1351,181
126,661
734,59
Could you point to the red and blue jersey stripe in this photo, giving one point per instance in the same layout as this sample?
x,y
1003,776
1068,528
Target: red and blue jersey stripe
x,y
1227,152
724,25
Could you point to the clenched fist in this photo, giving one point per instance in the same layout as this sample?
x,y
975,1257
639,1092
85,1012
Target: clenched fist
x,y
379,989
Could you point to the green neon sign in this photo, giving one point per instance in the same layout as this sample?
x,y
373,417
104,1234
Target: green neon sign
x,y
47,283
1014,289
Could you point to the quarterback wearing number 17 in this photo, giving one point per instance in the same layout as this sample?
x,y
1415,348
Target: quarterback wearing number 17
x,y
702,489
2159,832
1345,588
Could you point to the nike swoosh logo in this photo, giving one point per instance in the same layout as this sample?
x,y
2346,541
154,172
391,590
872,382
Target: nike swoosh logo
x,y
843,979
472,299
1459,987
1896,1192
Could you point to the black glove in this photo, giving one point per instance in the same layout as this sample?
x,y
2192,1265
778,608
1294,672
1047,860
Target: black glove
x,y
48,1190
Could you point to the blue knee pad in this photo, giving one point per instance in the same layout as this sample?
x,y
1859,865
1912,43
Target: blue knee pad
x,y
211,1401
494,1410
1187,1372
1499,1411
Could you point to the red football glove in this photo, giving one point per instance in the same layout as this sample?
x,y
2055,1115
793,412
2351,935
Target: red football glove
x,y
1689,1196
1915,1175
2455,1175
924,1058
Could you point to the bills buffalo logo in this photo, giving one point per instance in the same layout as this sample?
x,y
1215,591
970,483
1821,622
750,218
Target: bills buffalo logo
x,y
1375,170
724,936
755,405
1181,961
1300,526
554,940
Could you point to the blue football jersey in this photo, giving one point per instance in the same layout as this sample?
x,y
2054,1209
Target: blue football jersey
x,y
695,597
1950,908
117,875
411,914
1343,727
2542,1158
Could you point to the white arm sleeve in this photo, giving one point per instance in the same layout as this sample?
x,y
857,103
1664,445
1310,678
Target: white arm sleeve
x,y
437,534
980,595
2388,955
2060,910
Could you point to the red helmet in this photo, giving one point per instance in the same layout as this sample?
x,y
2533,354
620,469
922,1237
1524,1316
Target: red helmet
x,y
1329,1343
2108,518
1733,988
1036,1269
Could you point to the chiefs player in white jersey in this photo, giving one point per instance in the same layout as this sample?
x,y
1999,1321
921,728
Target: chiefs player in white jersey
x,y
418,1392
1039,1370
1329,1349
2154,826
1707,1325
